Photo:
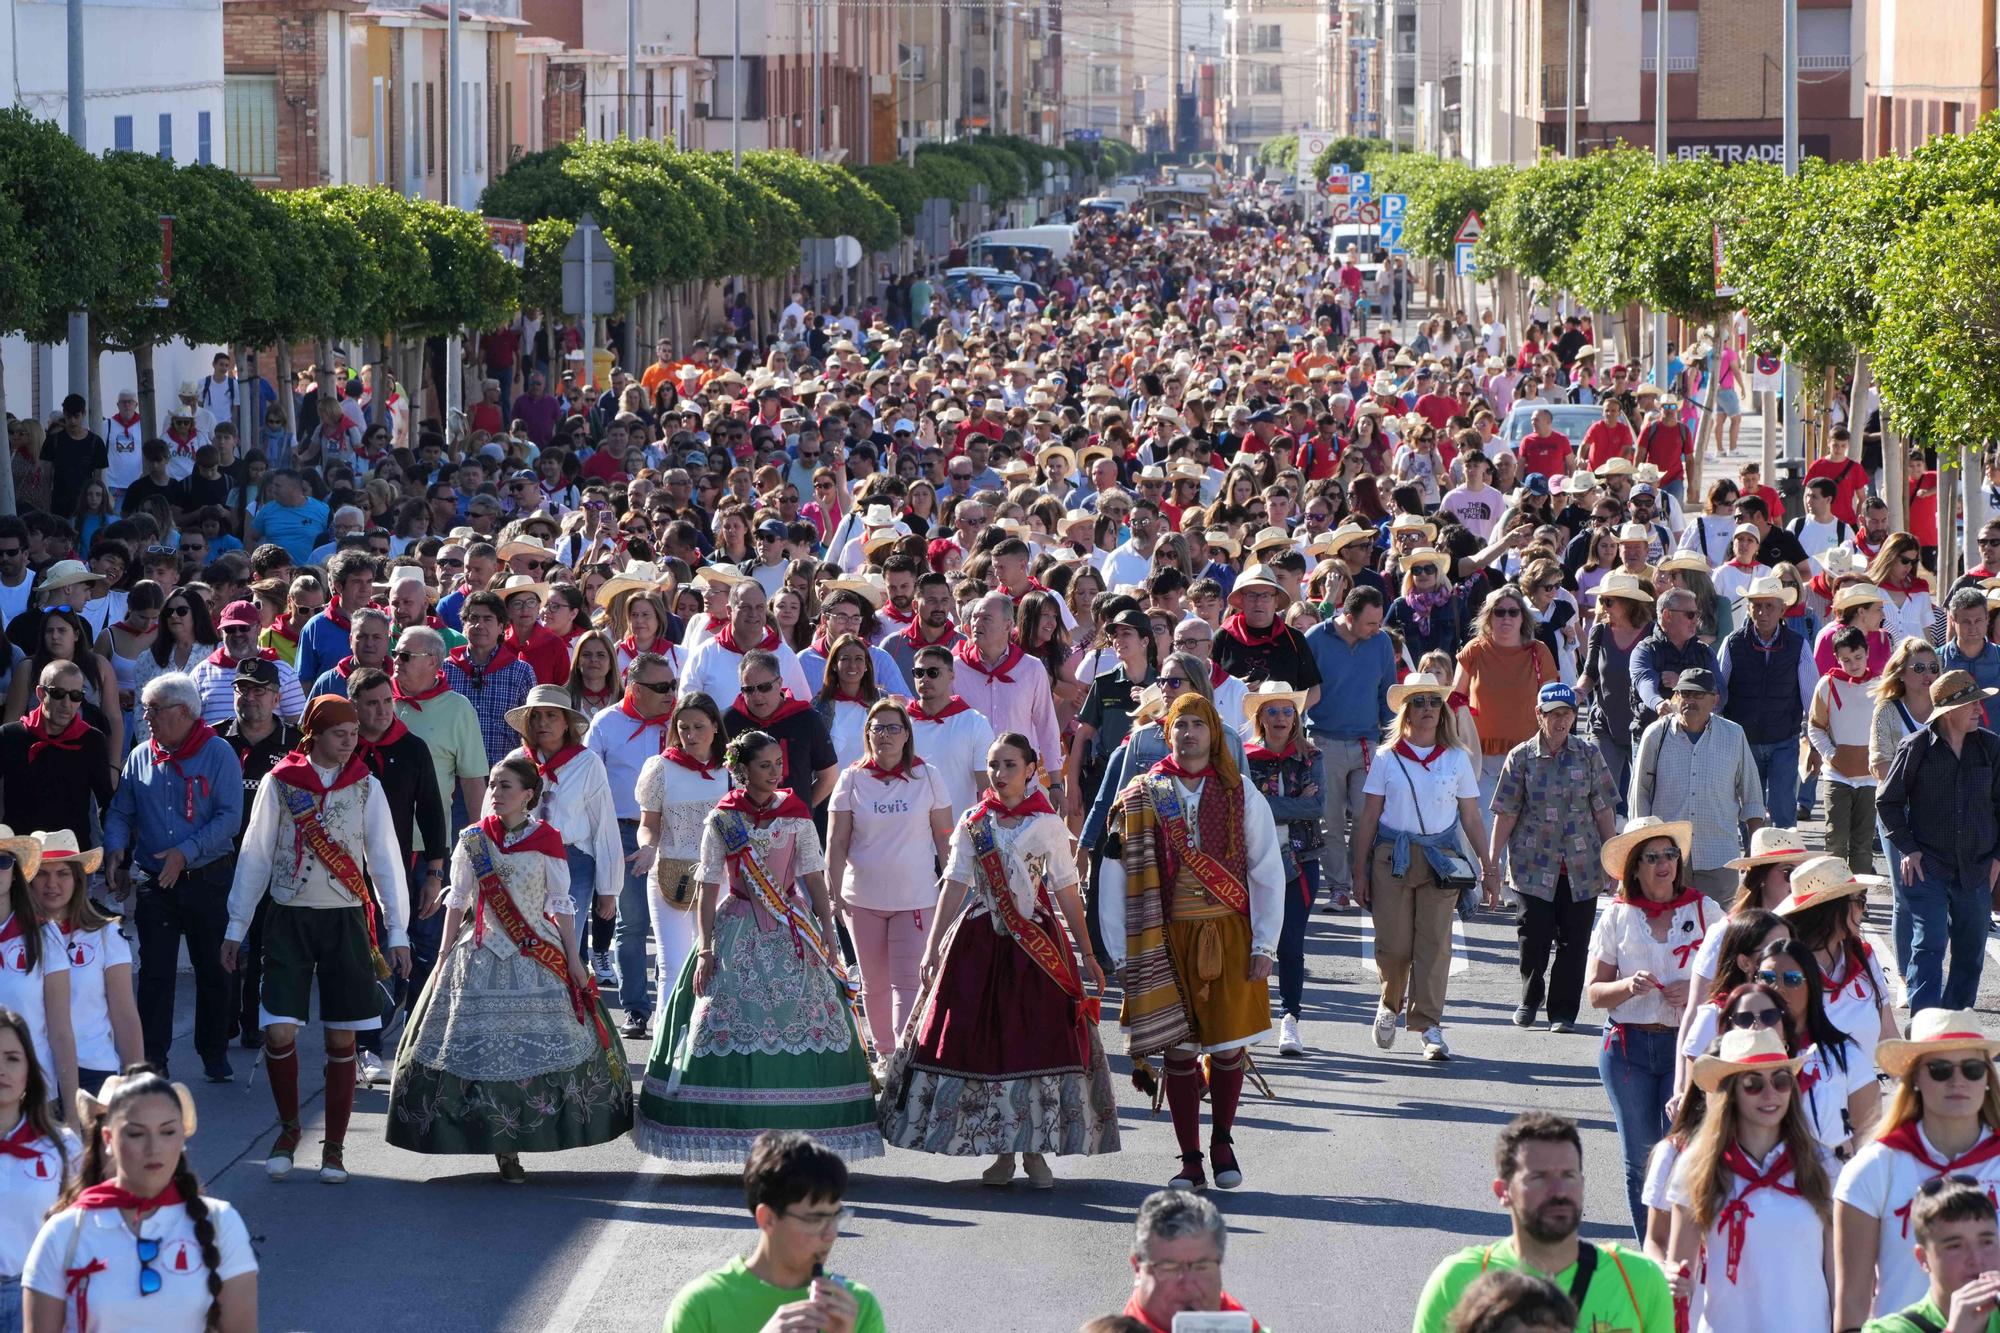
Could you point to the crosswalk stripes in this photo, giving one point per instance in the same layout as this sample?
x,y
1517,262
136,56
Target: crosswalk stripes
x,y
1461,961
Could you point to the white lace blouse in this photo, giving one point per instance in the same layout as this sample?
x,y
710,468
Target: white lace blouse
x,y
682,798
1042,837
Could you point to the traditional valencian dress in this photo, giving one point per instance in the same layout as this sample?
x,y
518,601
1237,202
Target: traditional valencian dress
x,y
503,1054
1002,1053
773,1045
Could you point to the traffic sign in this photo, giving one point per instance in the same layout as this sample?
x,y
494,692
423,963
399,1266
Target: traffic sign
x,y
1471,229
588,271
1361,184
1394,206
1364,211
1461,253
1392,235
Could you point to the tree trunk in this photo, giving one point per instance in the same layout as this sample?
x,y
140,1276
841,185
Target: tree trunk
x,y
6,473
142,370
378,401
284,394
1704,425
1947,510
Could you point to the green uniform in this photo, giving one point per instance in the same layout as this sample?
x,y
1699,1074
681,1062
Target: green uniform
x,y
1628,1292
733,1299
1923,1317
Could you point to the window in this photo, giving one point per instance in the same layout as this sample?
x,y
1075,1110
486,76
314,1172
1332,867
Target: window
x,y
725,92
1267,79
976,77
1683,40
249,124
121,133
203,148
430,129
1104,79
167,136
1267,37
1824,39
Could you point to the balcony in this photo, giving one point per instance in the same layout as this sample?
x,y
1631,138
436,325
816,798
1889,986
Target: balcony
x,y
1675,64
1555,87
1833,64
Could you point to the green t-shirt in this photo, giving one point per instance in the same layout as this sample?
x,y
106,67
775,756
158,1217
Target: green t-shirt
x,y
1899,1323
1628,1292
732,1299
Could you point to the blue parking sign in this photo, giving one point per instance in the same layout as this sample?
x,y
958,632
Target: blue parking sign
x,y
1394,206
1462,258
1361,184
1392,236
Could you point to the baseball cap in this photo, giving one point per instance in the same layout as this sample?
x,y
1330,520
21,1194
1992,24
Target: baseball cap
x,y
1555,694
260,669
771,528
1536,484
240,613
1695,680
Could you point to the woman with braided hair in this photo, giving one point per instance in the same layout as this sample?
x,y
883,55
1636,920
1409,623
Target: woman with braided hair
x,y
135,1243
40,1158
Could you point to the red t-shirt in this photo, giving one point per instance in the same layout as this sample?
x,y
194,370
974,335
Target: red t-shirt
x,y
1544,453
1437,408
1849,478
1665,445
1605,441
992,430
1923,508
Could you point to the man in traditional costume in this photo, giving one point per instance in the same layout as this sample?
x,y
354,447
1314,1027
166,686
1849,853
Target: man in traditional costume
x,y
1192,903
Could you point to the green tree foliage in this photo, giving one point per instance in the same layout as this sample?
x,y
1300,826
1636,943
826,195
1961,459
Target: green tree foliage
x,y
1356,153
1937,336
1653,238
1537,219
1279,156
391,249
898,186
1440,198
471,284
764,228
944,176
66,233
327,278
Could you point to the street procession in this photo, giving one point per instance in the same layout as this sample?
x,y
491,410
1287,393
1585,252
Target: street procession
x,y
1109,717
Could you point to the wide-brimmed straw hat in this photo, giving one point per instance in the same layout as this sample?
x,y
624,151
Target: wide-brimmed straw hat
x,y
1618,848
1344,536
1272,692
1772,587
1819,880
1426,555
1618,584
1421,682
66,573
520,583
546,696
1954,690
1933,1032
1770,847
1856,594
1222,541
639,576
876,595
1413,523
25,848
1258,576
1270,539
1743,1051
61,846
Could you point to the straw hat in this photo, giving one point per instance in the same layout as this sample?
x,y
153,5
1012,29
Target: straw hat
x,y
1220,540
1614,467
1077,518
1258,576
90,1110
1062,451
1634,532
1745,1051
1620,584
1090,454
880,516
1272,692
725,574
1837,562
1954,690
1933,1032
1691,562
1856,594
1421,682
61,846
1413,523
1579,483
1770,847
520,583
546,696
1270,539
1822,879
65,574
1618,848
639,576
876,595
522,546
883,539
1770,586
1344,536
25,848
1151,706
1426,555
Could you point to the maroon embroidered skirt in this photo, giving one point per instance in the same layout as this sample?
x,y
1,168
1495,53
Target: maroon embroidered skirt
x,y
993,1012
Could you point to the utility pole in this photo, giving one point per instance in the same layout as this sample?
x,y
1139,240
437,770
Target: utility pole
x,y
818,109
1569,76
1174,76
453,388
632,69
736,86
79,321
1793,444
909,77
1660,14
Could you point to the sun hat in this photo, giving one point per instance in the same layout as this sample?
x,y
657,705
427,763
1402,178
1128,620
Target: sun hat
x,y
522,546
875,594
1614,467
1222,541
1856,594
1620,584
26,850
1933,1032
61,846
639,576
1955,690
1634,532
1743,1051
726,574
1258,576
1270,539
1344,536
517,584
1426,555
1272,692
1618,848
1691,562
1770,846
1822,879
1413,523
67,573
546,696
1421,682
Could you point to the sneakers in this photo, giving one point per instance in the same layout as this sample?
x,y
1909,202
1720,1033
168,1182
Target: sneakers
x,y
332,1166
218,1071
635,1026
1190,1176
1559,1025
1228,1173
279,1164
1524,1017
1038,1171
605,970
1385,1028
1289,1042
1001,1172
511,1170
368,1067
1434,1045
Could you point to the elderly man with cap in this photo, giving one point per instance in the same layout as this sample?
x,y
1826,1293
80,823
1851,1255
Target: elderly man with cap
x,y
171,828
1940,809
1693,765
1554,809
320,833
369,648
215,675
1254,643
1768,677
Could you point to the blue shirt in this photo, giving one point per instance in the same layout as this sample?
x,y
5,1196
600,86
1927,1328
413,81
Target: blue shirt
x,y
297,528
322,642
1354,681
451,605
1985,668
148,813
491,694
888,676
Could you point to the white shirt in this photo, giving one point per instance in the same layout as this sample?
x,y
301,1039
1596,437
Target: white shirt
x,y
1911,619
957,748
380,855
123,443
1449,779
579,806
891,859
624,746
91,954
1265,880
28,1189
1733,581
21,990
1882,1182
682,798
14,600
179,1306
1123,566
1781,1279
715,671
1856,1006
1623,938
1660,1165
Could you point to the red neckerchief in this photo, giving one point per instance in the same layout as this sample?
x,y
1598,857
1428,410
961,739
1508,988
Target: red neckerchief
x,y
1904,1138
659,645
1258,752
71,737
296,770
1423,761
520,645
674,754
625,707
1836,674
537,836
726,636
840,696
953,708
787,707
133,629
113,1195
914,635
1857,966
369,749
1036,802
1172,767
1738,564
788,807
220,657
1736,1213
1216,675
968,653
1667,908
16,1143
1135,1310
908,617
344,667
1034,585
551,768
285,627
901,773
1235,627
1908,586
503,657
198,735
417,701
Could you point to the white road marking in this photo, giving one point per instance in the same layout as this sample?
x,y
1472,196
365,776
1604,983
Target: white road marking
x,y
1885,954
600,1260
1460,962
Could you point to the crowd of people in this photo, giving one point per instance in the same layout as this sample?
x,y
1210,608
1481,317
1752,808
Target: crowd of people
x,y
847,718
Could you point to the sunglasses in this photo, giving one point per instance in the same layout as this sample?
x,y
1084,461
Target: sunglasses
x,y
176,610
1666,856
1789,979
57,692
405,654
927,673
1781,1081
764,688
1745,1019
1423,701
1972,1071
149,1276
658,686
1505,612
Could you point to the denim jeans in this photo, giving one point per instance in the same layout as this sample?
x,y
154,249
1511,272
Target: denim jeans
x,y
635,992
1676,488
1778,771
1946,917
1900,924
1637,1067
1300,891
582,881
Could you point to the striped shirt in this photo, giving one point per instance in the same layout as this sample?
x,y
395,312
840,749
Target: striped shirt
x,y
1708,779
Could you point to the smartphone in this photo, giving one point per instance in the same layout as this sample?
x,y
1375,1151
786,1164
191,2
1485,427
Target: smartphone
x,y
1224,1321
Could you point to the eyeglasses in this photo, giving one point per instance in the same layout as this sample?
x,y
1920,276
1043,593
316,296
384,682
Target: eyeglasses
x,y
179,609
834,1220
1180,642
405,654
927,673
1923,668
13,552
764,688
56,692
1753,1084
1281,710
251,687
1756,1018
1789,979
1170,1271
149,1276
1972,1071
1666,855
886,729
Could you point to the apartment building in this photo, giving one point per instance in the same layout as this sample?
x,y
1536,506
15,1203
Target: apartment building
x,y
1279,70
1930,70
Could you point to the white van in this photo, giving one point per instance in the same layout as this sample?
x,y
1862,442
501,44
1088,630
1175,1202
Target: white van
x,y
1052,240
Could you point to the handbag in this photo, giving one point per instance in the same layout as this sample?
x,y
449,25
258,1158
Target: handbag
x,y
1459,875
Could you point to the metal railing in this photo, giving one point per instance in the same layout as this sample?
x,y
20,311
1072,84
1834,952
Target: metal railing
x,y
1675,64
1555,86
1824,64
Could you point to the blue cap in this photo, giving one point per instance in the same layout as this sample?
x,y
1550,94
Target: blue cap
x,y
1555,695
1535,484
